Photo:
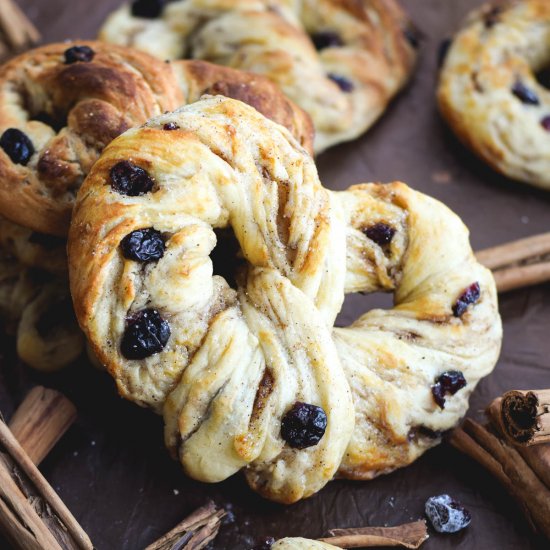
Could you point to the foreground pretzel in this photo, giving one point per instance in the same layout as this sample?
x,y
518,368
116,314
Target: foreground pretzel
x,y
488,91
61,104
342,62
257,378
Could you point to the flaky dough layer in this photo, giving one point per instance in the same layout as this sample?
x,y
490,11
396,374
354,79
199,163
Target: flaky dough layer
x,y
342,61
237,359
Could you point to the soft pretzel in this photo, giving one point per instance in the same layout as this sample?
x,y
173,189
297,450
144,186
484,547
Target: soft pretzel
x,y
488,90
36,307
257,377
341,61
62,103
35,250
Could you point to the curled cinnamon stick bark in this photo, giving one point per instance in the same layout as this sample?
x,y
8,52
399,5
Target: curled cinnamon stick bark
x,y
32,516
40,421
537,456
194,532
525,416
17,30
520,263
510,468
409,535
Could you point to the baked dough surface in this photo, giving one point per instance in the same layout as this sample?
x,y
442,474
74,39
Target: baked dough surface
x,y
238,358
71,111
489,93
366,50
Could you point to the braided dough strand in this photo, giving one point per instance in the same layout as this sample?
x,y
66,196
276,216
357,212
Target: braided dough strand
x,y
237,360
489,93
69,111
345,86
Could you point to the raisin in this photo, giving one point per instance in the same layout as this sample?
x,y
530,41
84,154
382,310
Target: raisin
x,y
143,245
148,9
129,179
447,383
446,514
492,17
85,54
413,36
442,51
524,94
469,296
303,425
146,333
265,544
545,123
342,82
17,146
326,39
381,233
170,126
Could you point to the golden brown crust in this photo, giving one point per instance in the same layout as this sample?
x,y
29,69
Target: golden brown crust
x,y
201,77
366,51
488,90
230,363
72,111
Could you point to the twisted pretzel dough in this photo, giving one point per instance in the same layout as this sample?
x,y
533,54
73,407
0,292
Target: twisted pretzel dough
x,y
366,50
35,302
488,91
70,111
236,361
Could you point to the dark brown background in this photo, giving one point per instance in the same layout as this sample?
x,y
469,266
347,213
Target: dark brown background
x,y
111,468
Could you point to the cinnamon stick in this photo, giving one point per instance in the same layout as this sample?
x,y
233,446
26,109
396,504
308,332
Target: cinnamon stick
x,y
518,264
32,516
17,30
510,468
40,421
409,535
194,532
537,456
525,416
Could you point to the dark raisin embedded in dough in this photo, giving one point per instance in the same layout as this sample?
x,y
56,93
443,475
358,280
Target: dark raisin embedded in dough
x,y
447,383
265,544
545,123
170,126
342,82
17,146
84,54
143,245
129,179
326,39
413,36
442,51
381,233
146,333
446,514
524,94
148,9
469,296
492,17
303,425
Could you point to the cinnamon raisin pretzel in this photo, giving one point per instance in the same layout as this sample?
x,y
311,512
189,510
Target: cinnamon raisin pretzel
x,y
36,306
256,377
488,88
62,103
342,61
